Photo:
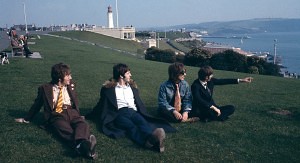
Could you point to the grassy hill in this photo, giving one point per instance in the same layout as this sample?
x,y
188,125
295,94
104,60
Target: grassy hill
x,y
264,128
102,40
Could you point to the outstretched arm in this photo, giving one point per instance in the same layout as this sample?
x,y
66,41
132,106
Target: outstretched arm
x,y
246,80
35,108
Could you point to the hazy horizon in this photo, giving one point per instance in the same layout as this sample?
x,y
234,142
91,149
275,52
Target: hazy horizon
x,y
142,14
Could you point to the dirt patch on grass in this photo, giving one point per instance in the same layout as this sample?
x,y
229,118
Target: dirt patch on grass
x,y
283,112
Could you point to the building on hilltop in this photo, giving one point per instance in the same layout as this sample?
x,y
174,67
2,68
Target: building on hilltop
x,y
127,33
214,48
150,43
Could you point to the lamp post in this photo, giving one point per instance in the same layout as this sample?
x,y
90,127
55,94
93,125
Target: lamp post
x,y
117,13
275,41
26,30
157,39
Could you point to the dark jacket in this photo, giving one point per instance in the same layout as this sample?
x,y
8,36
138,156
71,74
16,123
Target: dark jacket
x,y
202,99
45,98
106,111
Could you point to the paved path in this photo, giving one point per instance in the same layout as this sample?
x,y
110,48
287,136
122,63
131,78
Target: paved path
x,y
4,41
35,55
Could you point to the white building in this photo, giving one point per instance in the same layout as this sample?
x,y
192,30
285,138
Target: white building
x,y
127,32
151,43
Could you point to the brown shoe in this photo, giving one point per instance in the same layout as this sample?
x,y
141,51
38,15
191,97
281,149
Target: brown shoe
x,y
156,140
159,135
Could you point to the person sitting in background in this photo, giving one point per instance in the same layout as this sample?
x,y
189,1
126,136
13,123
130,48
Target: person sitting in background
x,y
174,97
14,39
23,40
61,111
202,90
120,111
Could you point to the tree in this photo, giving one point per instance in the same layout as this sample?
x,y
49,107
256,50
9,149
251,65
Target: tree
x,y
156,54
253,70
197,57
262,66
229,60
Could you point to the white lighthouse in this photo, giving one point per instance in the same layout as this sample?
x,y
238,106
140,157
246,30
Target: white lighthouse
x,y
110,19
126,33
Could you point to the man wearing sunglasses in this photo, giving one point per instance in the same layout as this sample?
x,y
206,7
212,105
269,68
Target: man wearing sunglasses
x,y
174,97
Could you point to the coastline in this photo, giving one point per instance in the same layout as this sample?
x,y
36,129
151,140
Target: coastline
x,y
287,46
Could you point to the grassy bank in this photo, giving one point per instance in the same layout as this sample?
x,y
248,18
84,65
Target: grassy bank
x,y
264,128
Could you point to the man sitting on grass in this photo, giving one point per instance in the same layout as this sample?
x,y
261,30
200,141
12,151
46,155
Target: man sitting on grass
x,y
202,89
174,97
120,111
61,111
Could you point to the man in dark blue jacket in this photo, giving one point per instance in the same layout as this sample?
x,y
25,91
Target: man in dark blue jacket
x,y
202,90
120,112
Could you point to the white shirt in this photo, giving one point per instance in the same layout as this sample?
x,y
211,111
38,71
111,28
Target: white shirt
x,y
66,97
204,84
125,97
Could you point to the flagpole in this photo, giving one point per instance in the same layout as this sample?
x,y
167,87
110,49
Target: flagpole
x,y
25,18
117,13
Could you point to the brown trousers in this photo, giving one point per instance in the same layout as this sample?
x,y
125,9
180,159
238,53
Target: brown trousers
x,y
69,125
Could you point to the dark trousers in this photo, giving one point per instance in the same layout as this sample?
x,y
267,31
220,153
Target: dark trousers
x,y
226,111
26,50
168,115
135,125
70,126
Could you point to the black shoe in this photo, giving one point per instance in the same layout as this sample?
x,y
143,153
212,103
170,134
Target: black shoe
x,y
87,148
83,148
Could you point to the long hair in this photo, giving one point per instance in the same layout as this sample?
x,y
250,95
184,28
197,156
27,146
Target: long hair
x,y
204,72
119,70
59,71
175,70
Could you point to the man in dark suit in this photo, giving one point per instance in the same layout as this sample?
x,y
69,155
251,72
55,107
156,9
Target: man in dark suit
x,y
61,111
120,111
202,90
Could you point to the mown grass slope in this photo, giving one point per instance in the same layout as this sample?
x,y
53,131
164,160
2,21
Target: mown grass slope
x,y
264,128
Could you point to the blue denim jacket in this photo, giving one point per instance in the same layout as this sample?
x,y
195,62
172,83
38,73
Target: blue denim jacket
x,y
166,96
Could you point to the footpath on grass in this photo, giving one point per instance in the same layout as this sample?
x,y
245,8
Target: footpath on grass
x,y
92,43
4,40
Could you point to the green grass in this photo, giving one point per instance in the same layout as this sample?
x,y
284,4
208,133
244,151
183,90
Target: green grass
x,y
126,45
253,134
179,46
174,35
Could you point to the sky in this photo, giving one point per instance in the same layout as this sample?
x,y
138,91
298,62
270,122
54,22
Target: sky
x,y
142,13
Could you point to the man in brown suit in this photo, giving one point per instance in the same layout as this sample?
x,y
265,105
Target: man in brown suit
x,y
61,111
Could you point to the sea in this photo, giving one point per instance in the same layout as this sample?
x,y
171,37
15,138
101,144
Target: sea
x,y
287,46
